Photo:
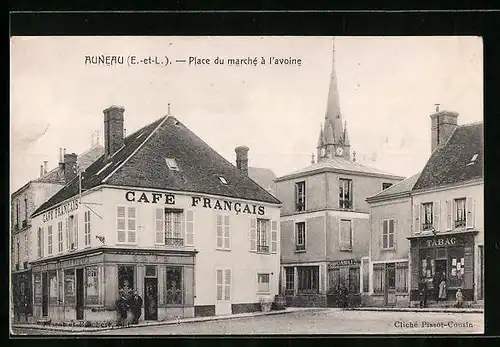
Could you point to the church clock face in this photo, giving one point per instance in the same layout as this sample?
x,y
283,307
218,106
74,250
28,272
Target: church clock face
x,y
340,151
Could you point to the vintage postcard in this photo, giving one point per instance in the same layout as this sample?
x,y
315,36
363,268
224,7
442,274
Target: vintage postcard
x,y
246,185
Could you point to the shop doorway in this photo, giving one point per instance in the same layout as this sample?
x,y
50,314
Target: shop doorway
x,y
390,284
79,294
45,294
150,298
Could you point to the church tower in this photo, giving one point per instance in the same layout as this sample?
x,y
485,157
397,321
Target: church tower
x,y
333,139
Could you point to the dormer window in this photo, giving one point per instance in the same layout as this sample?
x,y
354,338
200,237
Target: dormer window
x,y
222,179
473,159
172,164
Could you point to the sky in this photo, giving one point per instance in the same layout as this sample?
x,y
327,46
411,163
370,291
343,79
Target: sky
x,y
387,88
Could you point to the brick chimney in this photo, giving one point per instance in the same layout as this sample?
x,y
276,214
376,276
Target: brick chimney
x,y
41,170
45,164
113,129
69,167
443,123
242,159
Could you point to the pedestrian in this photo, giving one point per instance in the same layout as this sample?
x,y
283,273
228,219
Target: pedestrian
x,y
136,307
442,289
460,299
423,293
436,279
122,307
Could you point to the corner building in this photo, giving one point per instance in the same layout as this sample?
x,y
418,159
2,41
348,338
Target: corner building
x,y
163,213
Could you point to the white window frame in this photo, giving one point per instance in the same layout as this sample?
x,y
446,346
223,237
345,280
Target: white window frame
x,y
455,212
350,184
127,230
266,238
423,220
341,248
296,234
259,274
60,243
225,286
223,232
298,196
87,235
393,246
49,240
187,220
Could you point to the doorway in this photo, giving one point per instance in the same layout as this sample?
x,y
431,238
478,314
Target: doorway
x,y
45,294
79,294
150,298
390,284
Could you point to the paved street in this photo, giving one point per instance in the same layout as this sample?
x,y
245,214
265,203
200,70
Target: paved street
x,y
327,321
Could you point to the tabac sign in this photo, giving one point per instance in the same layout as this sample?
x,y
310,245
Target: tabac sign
x,y
60,211
441,241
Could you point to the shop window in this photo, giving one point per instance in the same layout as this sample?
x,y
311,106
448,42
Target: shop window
x,y
126,276
289,280
38,288
456,267
460,213
126,224
388,234
151,271
173,286
378,278
263,283
69,286
427,216
300,196
334,278
345,235
300,236
223,232
262,235
354,279
53,286
366,275
402,277
308,279
92,285
345,193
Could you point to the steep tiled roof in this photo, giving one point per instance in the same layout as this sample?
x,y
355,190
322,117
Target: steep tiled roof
x,y
89,156
263,177
341,164
141,163
451,163
398,188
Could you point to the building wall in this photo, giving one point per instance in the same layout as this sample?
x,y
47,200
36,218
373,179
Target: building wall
x,y
315,238
360,236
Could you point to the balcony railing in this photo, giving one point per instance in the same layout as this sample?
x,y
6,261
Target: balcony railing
x,y
345,203
263,248
300,206
174,241
460,223
300,247
427,226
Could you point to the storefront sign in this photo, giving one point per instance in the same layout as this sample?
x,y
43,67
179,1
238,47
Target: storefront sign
x,y
150,198
442,241
225,205
60,211
345,262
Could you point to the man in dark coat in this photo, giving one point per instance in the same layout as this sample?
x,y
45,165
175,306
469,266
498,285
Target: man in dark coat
x,y
136,306
423,292
122,307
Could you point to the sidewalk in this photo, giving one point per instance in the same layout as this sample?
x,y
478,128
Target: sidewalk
x,y
418,309
157,323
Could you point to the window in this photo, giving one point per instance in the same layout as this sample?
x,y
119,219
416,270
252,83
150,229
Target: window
x,y
345,235
53,285
87,228
386,185
289,280
173,228
26,246
69,285
353,280
378,278
388,234
300,236
17,252
25,209
300,196
223,283
334,278
60,236
262,245
17,212
172,164
223,233
345,193
126,275
308,279
402,277
427,216
170,227
263,283
456,269
174,286
49,239
73,231
92,285
40,242
126,224
366,275
460,213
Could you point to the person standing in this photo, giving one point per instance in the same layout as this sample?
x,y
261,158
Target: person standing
x,y
136,307
423,293
460,298
122,307
442,288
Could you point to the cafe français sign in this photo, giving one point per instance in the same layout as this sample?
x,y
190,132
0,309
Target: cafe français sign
x,y
60,211
196,201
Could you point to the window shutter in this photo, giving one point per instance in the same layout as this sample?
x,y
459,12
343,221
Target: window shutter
x,y
381,241
469,219
253,234
393,245
436,214
189,228
449,204
160,226
131,224
75,228
219,284
416,218
227,285
120,223
67,233
226,232
219,236
274,236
